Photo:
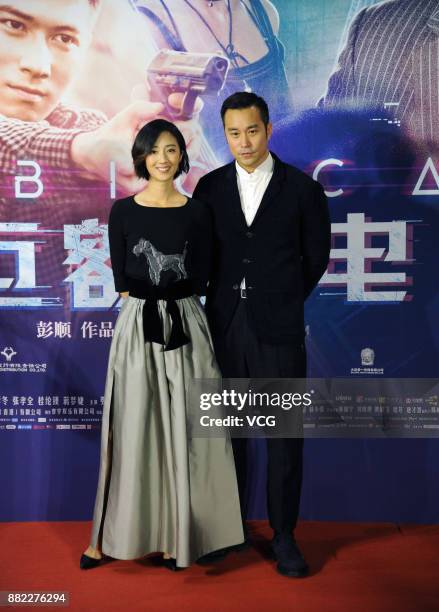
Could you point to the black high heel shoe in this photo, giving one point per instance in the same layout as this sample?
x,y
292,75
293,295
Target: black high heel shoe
x,y
171,564
87,562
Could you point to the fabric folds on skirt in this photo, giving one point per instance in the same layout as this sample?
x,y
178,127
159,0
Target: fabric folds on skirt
x,y
157,489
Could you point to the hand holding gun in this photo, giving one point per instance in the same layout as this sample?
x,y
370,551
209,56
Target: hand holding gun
x,y
190,74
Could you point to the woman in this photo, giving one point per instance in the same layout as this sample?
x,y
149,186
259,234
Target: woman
x,y
159,490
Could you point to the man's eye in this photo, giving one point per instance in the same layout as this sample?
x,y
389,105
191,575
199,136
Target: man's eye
x,y
66,39
13,24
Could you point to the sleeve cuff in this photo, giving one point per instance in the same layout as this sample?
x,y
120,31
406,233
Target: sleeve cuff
x,y
121,286
53,147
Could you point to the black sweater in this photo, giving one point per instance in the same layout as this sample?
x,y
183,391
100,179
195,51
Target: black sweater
x,y
160,245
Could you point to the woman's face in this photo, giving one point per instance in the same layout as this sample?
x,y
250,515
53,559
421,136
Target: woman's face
x,y
163,161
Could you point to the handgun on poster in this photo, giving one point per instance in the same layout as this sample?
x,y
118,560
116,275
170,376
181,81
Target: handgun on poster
x,y
193,74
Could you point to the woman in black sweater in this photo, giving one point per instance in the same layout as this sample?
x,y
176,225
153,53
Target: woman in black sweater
x,y
158,489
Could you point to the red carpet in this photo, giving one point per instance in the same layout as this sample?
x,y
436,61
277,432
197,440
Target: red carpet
x,y
354,567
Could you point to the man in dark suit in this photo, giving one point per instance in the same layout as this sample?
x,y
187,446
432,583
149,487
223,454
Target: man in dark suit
x,y
271,246
391,61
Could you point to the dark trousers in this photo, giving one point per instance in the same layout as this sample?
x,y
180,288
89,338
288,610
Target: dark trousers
x,y
241,355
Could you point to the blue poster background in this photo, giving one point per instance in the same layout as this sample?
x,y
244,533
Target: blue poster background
x,y
53,351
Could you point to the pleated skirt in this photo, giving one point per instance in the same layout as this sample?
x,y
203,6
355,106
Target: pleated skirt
x,y
159,490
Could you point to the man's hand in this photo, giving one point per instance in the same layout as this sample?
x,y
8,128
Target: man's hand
x,y
93,151
191,128
124,294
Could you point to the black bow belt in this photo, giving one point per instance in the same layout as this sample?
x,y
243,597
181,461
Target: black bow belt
x,y
152,324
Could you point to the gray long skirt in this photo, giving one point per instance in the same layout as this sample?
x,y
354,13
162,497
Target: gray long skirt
x,y
157,489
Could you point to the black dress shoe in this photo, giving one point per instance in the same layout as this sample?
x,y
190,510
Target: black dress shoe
x,y
171,564
290,561
87,562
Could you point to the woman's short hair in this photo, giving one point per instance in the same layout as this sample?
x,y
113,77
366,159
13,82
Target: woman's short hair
x,y
145,141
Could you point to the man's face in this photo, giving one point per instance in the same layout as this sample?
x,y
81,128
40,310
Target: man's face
x,y
42,43
247,136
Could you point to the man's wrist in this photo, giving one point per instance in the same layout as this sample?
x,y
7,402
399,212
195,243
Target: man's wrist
x,y
78,151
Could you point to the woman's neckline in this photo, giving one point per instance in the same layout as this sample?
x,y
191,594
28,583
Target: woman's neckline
x,y
160,207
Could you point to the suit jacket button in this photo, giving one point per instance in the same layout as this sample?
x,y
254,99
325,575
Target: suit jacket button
x,y
235,287
249,234
246,261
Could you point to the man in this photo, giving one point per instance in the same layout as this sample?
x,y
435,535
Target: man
x,y
272,242
391,60
43,45
41,53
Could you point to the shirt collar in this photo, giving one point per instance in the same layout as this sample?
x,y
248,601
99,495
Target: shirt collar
x,y
265,168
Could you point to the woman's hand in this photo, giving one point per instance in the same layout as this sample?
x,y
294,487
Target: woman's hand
x,y
124,294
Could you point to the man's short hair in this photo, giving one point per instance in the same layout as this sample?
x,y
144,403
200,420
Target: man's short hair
x,y
145,141
246,99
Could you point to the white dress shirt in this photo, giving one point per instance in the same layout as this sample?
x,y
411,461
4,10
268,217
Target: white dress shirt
x,y
251,187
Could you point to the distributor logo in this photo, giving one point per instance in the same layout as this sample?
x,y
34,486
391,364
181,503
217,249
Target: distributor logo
x,y
367,356
8,365
8,352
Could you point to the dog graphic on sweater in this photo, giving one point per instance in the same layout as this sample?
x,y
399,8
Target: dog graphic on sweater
x,y
159,262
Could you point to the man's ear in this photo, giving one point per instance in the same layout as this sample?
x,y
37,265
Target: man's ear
x,y
269,129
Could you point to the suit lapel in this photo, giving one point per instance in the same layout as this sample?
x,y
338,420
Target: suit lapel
x,y
232,195
433,21
424,95
425,70
273,188
232,192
